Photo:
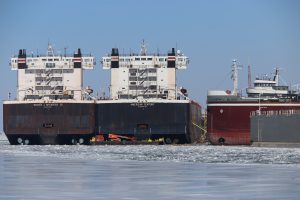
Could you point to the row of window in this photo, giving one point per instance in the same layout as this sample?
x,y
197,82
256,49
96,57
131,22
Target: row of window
x,y
264,84
150,78
49,88
45,79
134,71
142,59
53,59
137,58
140,87
42,71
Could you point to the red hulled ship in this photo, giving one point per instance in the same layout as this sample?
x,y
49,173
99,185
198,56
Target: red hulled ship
x,y
228,113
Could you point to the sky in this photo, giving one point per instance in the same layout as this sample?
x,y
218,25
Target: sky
x,y
262,33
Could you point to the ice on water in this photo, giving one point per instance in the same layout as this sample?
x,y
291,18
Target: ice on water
x,y
148,172
182,153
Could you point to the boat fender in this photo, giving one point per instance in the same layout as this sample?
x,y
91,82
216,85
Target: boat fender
x,y
74,141
221,141
26,141
81,140
168,141
20,140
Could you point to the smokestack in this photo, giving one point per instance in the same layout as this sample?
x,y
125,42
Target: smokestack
x,y
77,59
114,58
171,59
22,59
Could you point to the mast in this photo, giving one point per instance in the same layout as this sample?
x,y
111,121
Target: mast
x,y
276,77
143,49
249,77
234,76
50,51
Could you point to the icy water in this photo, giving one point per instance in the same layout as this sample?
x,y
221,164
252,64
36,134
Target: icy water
x,y
148,172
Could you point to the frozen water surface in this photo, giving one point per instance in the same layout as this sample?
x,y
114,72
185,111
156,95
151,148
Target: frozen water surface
x,y
148,172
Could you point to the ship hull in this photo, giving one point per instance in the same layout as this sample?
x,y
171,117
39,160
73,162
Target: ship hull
x,y
276,128
151,120
229,122
48,123
73,123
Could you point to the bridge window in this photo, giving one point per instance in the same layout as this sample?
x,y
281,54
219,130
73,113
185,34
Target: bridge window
x,y
50,65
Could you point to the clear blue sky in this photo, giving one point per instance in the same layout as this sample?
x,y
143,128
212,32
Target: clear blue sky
x,y
263,33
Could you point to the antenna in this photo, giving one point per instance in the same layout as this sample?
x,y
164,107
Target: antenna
x,y
143,49
50,51
249,76
65,51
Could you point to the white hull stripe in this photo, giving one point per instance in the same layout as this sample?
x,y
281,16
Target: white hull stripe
x,y
171,58
48,102
77,60
254,104
138,102
21,60
115,58
92,102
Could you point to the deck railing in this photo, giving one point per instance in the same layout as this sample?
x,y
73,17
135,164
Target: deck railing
x,y
270,113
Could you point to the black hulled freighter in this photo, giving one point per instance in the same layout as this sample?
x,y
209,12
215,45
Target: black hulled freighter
x,y
145,101
51,105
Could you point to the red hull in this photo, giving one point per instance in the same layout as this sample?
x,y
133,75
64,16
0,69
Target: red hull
x,y
229,123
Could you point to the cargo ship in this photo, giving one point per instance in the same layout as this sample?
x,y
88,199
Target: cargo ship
x,y
51,106
228,113
145,101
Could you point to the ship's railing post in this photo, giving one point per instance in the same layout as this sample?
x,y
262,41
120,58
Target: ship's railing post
x,y
258,129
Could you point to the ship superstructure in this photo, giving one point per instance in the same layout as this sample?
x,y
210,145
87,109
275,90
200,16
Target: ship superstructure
x,y
50,76
148,76
51,106
265,86
228,114
145,100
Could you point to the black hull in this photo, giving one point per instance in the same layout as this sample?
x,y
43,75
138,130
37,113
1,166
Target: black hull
x,y
72,123
171,121
49,123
